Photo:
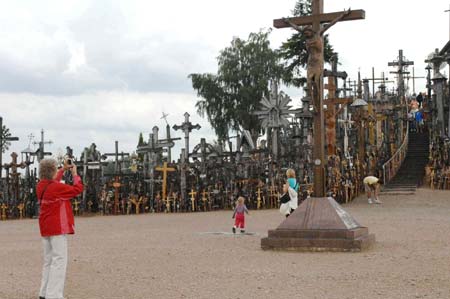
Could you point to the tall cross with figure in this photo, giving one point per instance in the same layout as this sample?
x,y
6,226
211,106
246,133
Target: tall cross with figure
x,y
314,31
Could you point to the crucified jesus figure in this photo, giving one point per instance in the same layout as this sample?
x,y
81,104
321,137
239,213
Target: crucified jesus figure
x,y
314,46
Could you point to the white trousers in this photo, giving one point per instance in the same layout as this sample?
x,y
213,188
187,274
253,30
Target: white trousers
x,y
54,269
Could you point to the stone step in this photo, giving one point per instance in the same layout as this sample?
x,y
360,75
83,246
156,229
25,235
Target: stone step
x,y
319,233
398,187
395,193
311,244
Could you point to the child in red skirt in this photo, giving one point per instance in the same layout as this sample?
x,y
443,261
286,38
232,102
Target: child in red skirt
x,y
239,211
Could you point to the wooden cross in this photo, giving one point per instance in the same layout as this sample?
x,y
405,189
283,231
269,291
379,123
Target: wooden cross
x,y
204,199
116,154
168,204
192,194
136,203
14,174
158,202
116,185
164,169
76,203
175,202
272,195
333,75
227,199
4,207
330,113
258,199
315,84
373,79
21,207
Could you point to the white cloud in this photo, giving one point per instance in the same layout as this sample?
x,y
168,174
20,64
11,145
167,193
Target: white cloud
x,y
102,118
100,70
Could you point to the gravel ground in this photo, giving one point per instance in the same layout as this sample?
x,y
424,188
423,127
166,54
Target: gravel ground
x,y
173,256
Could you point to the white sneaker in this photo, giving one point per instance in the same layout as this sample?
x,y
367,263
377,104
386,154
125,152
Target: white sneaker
x,y
377,201
370,201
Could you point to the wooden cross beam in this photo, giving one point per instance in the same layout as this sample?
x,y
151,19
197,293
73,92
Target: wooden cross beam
x,y
315,74
322,18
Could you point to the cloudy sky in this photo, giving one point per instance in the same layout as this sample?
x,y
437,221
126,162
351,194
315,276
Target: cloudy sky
x,y
103,70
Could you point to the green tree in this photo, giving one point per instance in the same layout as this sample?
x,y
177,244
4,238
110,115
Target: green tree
x,y
293,51
141,139
229,97
4,146
140,143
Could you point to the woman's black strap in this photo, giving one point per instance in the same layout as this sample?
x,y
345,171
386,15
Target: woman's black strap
x,y
43,192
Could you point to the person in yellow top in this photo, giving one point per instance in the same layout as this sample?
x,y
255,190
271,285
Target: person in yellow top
x,y
371,184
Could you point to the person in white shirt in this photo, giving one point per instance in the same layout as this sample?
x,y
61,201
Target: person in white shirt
x,y
371,185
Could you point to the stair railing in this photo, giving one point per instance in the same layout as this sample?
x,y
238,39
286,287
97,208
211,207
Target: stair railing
x,y
392,165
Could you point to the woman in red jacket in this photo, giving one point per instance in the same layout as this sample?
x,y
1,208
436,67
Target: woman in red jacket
x,y
55,222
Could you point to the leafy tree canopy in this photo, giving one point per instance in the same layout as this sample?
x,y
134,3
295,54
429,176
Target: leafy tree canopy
x,y
4,145
244,70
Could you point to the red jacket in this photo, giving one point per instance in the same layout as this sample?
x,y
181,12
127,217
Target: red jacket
x,y
56,216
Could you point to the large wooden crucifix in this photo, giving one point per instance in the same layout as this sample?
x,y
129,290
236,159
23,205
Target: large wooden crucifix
x,y
314,45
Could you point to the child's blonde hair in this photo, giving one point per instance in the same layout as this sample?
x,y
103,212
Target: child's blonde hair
x,y
290,173
240,200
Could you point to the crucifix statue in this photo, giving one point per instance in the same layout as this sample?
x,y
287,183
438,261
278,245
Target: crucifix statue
x,y
314,44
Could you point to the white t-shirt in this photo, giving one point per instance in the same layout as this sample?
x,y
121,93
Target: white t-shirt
x,y
370,180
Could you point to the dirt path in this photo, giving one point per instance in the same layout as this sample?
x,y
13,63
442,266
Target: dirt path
x,y
169,256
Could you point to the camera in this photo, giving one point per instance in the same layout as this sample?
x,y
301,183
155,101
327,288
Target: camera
x,y
69,162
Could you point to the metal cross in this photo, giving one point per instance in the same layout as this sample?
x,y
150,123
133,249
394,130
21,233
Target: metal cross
x,y
41,153
186,127
401,65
